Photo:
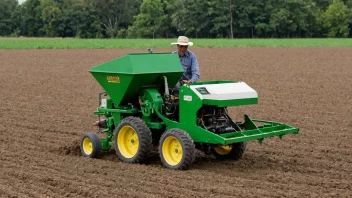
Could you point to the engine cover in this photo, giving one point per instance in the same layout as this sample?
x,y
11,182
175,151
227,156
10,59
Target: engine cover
x,y
224,91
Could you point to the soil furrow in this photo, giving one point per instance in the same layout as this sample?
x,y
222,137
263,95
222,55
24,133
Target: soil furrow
x,y
49,98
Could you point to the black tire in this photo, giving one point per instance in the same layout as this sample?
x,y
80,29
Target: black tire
x,y
90,145
182,139
236,152
144,135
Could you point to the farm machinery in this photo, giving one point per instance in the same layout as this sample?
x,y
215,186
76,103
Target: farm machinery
x,y
140,109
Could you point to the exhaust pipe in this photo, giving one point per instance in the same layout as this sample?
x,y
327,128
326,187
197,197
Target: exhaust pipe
x,y
166,86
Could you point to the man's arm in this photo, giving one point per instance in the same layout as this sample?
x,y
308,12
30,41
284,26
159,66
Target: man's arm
x,y
195,69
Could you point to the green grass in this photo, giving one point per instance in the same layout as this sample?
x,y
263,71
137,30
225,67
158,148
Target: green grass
x,y
58,43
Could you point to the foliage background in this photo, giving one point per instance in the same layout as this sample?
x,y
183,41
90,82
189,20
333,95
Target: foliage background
x,y
170,18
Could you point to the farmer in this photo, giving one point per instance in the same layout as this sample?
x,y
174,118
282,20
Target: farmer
x,y
188,60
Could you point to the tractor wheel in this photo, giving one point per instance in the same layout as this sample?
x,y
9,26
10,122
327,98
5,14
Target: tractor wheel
x,y
232,151
176,149
132,140
90,145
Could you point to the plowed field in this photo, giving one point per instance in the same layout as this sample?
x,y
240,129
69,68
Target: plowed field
x,y
48,99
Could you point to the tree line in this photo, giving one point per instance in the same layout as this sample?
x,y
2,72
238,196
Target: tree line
x,y
170,18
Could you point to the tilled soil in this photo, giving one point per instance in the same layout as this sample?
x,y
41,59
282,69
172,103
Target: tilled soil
x,y
48,99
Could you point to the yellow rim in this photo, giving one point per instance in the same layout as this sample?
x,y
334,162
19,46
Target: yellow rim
x,y
223,150
87,146
127,141
172,150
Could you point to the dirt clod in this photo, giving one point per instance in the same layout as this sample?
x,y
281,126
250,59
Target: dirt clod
x,y
71,149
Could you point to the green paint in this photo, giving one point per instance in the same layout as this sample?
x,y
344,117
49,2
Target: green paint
x,y
105,144
102,110
228,103
139,91
213,82
189,105
155,125
124,78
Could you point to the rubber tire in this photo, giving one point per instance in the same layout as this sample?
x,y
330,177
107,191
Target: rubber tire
x,y
144,138
188,148
96,144
236,152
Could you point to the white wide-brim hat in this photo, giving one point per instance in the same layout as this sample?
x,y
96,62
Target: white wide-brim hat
x,y
182,40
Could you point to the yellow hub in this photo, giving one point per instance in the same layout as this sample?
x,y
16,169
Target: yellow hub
x,y
172,150
87,146
223,150
128,142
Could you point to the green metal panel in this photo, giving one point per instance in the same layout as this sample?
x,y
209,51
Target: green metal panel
x,y
151,98
102,110
228,103
125,77
189,104
213,82
141,63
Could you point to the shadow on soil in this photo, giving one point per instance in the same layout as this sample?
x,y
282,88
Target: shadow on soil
x,y
250,161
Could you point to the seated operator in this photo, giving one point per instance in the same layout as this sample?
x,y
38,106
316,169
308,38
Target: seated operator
x,y
188,60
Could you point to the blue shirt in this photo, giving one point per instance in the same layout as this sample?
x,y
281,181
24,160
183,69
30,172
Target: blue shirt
x,y
190,66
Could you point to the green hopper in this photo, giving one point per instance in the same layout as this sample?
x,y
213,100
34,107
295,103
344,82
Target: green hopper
x,y
125,77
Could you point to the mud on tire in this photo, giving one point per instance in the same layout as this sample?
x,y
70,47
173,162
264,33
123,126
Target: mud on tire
x,y
176,149
132,140
90,145
235,152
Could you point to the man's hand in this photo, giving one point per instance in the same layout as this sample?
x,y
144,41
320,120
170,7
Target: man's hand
x,y
182,82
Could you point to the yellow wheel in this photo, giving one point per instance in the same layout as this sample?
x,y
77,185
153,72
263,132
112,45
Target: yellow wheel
x,y
223,150
172,150
128,141
232,151
87,146
176,149
132,140
90,145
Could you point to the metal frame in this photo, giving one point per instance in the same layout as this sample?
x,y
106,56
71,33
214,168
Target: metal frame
x,y
150,112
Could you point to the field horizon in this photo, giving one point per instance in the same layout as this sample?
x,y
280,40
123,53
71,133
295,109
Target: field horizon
x,y
75,43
